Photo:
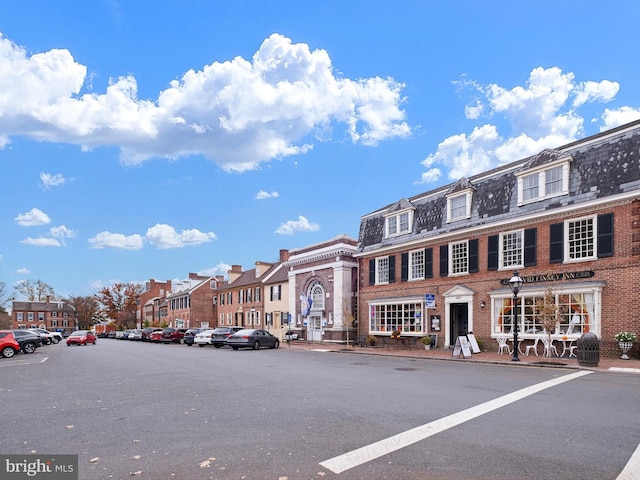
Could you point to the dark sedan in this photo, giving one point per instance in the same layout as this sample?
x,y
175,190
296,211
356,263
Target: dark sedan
x,y
28,341
252,338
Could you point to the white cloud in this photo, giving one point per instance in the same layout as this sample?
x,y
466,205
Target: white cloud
x,y
619,116
238,113
542,114
23,271
220,269
49,180
33,217
300,225
116,240
261,195
56,239
165,236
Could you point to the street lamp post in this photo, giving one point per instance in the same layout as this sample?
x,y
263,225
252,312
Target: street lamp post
x,y
516,284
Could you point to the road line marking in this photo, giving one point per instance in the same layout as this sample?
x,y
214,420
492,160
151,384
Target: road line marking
x,y
631,471
624,369
378,449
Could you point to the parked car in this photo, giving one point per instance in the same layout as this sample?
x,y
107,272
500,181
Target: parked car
x,y
291,335
190,335
9,346
156,336
146,333
52,337
44,338
252,338
28,341
173,335
81,337
112,334
123,334
220,335
135,334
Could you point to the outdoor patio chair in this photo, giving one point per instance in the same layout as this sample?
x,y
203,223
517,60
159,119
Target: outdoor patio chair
x,y
503,345
533,347
549,347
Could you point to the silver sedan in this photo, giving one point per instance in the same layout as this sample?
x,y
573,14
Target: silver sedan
x,y
252,338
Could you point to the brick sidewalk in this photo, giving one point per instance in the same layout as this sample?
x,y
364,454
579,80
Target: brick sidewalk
x,y
604,363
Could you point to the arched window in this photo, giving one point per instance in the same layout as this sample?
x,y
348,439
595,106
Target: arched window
x,y
317,295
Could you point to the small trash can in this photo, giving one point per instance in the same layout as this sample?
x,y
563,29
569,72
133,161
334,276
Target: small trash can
x,y
588,351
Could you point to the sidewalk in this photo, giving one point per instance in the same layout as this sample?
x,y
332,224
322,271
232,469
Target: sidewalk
x,y
604,364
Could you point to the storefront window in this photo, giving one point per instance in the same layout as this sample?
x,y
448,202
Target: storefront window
x,y
404,317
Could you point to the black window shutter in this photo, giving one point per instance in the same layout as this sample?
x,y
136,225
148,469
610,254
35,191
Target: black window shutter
x,y
392,268
530,247
428,263
271,293
404,267
473,256
556,243
492,252
605,235
444,260
372,272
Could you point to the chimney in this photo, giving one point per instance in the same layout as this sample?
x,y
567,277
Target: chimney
x,y
284,255
48,299
234,273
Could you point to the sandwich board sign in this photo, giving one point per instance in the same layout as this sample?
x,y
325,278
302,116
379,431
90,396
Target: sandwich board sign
x,y
461,347
475,348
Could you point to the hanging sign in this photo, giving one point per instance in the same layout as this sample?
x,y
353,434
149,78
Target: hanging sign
x,y
430,300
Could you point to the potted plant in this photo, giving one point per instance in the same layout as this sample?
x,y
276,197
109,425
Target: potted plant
x,y
395,334
371,340
427,342
625,342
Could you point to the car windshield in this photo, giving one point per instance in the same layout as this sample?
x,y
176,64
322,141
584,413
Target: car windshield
x,y
79,333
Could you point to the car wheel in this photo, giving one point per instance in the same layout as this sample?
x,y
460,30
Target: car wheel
x,y
235,348
201,344
8,352
277,344
256,345
55,340
217,346
29,347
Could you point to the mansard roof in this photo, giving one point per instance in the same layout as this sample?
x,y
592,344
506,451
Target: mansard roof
x,y
602,166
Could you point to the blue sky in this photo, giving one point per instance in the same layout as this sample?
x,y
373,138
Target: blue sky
x,y
153,138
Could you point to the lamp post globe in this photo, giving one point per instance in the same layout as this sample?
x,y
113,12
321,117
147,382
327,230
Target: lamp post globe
x,y
515,283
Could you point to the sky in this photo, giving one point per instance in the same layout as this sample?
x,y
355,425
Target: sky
x,y
150,139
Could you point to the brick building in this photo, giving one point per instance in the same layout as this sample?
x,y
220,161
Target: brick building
x,y
55,316
322,289
566,219
190,304
147,311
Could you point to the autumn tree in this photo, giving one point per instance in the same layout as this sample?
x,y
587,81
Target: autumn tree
x,y
34,291
548,313
86,309
119,303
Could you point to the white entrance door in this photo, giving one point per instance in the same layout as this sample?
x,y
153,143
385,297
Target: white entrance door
x,y
315,328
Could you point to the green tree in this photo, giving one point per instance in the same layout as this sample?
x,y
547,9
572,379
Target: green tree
x,y
119,303
34,291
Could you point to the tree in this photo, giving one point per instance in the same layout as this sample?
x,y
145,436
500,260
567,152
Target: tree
x,y
548,313
37,291
119,303
86,308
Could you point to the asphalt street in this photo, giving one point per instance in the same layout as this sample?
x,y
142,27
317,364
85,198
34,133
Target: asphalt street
x,y
141,410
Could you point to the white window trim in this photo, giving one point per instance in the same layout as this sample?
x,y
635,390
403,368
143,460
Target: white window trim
x,y
501,265
377,260
457,274
395,219
410,266
468,194
540,171
593,257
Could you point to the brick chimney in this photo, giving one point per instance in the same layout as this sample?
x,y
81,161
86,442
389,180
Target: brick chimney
x,y
234,273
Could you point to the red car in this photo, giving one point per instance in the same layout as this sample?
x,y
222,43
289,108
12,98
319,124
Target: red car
x,y
81,337
8,345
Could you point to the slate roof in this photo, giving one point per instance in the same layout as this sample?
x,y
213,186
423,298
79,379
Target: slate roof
x,y
602,165
51,306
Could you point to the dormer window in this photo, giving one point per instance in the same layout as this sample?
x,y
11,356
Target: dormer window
x,y
459,206
547,181
399,223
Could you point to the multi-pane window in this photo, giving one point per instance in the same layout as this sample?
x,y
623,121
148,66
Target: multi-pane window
x,y
30,316
41,316
317,296
540,184
404,317
382,270
416,265
19,316
458,207
580,239
459,257
511,249
399,223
